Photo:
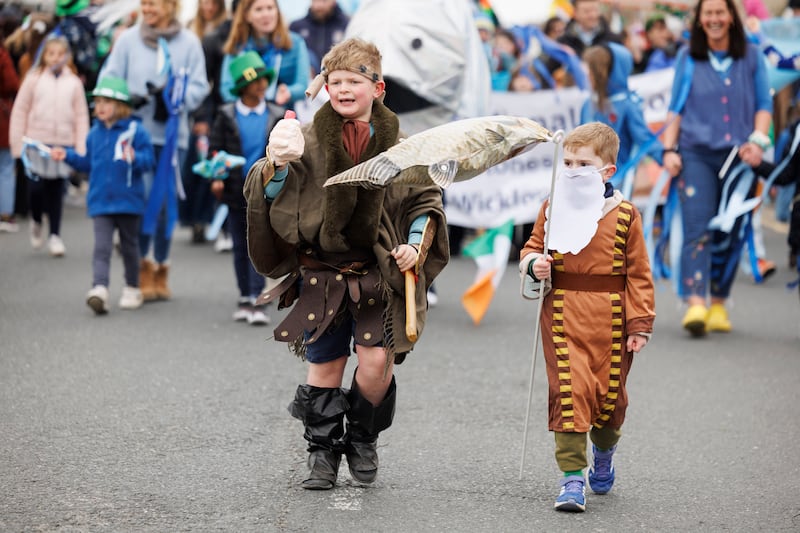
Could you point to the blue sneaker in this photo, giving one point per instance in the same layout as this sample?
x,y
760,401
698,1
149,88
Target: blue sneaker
x,y
601,474
572,497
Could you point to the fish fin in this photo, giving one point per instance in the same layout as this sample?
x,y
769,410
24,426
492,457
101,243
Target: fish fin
x,y
493,137
374,173
443,173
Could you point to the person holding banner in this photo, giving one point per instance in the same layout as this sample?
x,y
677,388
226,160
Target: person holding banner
x,y
242,128
351,259
587,258
155,55
720,110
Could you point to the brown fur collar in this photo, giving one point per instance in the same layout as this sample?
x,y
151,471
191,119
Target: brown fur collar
x,y
351,215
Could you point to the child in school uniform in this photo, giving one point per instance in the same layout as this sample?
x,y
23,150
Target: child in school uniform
x,y
598,311
242,128
118,152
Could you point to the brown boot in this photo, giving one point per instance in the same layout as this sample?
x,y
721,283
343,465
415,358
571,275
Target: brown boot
x,y
146,280
160,282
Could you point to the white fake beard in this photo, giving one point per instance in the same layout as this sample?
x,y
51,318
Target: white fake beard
x,y
575,208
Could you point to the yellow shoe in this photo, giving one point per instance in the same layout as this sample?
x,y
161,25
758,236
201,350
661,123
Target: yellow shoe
x,y
717,319
694,321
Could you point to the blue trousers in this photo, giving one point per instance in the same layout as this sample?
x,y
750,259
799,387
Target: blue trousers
x,y
250,282
700,190
8,182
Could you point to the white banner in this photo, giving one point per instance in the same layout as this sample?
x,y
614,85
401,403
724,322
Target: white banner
x,y
516,189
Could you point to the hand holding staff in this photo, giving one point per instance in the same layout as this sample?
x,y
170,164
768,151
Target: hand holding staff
x,y
410,264
406,256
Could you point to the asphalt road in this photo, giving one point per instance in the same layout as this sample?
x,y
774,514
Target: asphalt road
x,y
173,417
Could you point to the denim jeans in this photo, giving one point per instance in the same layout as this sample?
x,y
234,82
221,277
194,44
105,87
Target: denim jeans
x,y
783,202
250,282
161,242
8,182
700,191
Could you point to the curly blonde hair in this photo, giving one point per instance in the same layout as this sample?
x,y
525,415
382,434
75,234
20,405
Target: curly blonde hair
x,y
355,55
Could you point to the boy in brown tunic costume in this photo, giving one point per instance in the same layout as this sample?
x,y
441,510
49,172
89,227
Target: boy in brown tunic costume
x,y
345,250
598,312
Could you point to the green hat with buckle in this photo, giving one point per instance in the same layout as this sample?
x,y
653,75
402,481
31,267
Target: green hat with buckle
x,y
247,68
70,7
114,88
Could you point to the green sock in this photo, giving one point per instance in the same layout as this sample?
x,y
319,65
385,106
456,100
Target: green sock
x,y
573,473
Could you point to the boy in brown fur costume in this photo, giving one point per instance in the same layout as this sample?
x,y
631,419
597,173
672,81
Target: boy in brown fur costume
x,y
345,251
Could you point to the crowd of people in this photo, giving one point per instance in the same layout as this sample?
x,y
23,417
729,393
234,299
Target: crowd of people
x,y
522,59
167,96
51,65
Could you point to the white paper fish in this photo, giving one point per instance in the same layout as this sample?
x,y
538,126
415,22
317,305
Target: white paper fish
x,y
456,151
125,139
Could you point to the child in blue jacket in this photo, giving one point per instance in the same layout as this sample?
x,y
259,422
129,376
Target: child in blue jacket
x,y
118,152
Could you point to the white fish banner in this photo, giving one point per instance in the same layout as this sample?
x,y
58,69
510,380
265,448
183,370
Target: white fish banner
x,y
516,189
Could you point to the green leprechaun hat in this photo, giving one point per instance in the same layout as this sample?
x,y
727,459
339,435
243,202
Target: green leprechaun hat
x,y
246,68
65,8
114,88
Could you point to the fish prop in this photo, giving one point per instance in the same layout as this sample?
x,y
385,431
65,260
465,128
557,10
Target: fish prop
x,y
219,166
456,151
39,148
434,65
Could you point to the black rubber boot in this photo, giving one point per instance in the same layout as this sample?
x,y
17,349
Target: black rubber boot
x,y
322,412
364,422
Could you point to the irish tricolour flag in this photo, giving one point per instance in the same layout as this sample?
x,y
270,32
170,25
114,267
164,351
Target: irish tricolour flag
x,y
490,251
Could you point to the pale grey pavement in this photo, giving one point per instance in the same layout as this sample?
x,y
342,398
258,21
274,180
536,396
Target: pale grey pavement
x,y
173,417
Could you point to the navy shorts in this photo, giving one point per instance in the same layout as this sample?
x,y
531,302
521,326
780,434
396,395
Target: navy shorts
x,y
334,343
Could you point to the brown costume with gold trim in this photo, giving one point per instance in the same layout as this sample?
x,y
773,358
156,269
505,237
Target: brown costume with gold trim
x,y
599,297
340,238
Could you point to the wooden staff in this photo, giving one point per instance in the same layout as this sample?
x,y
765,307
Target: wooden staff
x,y
411,305
558,138
428,234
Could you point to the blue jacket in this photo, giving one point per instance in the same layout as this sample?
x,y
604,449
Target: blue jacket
x,y
625,114
115,187
295,68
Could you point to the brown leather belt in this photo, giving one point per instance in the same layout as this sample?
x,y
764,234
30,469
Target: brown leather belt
x,y
588,282
355,267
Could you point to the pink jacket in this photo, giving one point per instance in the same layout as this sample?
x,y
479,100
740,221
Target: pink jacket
x,y
50,109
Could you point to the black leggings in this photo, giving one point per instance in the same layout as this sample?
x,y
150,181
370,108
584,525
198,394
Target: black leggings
x,y
47,196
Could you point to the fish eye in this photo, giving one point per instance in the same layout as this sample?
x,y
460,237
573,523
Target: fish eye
x,y
416,43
